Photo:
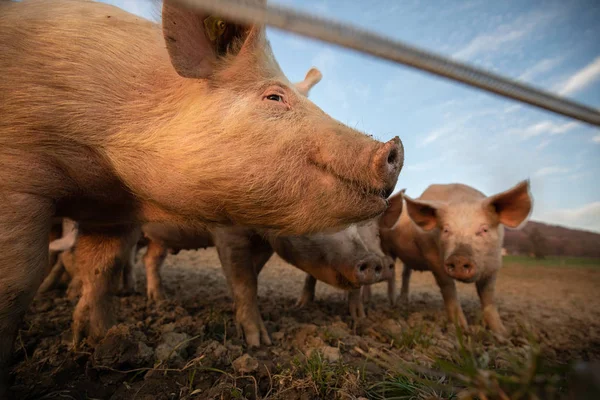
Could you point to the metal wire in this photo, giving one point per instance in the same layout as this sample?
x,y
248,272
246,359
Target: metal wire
x,y
345,35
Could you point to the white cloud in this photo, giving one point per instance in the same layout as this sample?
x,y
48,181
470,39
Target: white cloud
x,y
584,217
596,139
513,108
543,144
435,135
545,127
504,35
539,68
550,171
582,78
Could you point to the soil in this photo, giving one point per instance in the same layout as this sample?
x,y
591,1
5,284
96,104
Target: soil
x,y
188,347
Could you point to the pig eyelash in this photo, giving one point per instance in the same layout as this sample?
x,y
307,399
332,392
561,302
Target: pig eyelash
x,y
274,97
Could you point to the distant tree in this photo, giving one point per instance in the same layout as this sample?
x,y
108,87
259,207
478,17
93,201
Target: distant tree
x,y
524,246
539,244
560,248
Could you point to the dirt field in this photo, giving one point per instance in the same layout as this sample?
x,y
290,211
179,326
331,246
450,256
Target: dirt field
x,y
558,308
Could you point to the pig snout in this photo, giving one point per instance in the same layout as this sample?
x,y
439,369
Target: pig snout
x,y
369,270
387,163
460,267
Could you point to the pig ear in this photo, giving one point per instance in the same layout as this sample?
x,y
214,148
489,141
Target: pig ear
x,y
392,213
313,76
195,41
512,206
423,213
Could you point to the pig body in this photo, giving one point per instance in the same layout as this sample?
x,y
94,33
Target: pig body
x,y
112,121
456,232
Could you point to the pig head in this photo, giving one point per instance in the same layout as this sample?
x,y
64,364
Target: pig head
x,y
341,259
468,226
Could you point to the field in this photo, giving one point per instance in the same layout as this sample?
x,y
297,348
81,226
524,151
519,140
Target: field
x,y
187,347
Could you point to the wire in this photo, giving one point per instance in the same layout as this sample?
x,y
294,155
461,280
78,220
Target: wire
x,y
345,35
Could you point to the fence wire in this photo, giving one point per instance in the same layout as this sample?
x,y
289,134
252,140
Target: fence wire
x,y
345,35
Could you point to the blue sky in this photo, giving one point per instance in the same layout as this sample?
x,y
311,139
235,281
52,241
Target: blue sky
x,y
452,133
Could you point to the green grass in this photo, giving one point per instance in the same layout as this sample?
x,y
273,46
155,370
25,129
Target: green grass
x,y
326,377
470,374
554,261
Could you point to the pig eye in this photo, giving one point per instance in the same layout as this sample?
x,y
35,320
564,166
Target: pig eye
x,y
274,97
483,230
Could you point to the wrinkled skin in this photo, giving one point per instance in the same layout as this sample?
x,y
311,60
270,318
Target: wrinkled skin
x,y
456,232
243,253
113,121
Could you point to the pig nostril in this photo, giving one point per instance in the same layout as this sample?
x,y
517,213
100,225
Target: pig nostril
x,y
393,156
450,267
362,267
467,267
391,266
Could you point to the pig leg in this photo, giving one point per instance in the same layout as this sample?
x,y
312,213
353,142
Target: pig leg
x,y
485,290
392,291
74,287
238,259
99,259
357,310
153,261
308,291
406,272
453,308
128,287
24,237
366,294
54,277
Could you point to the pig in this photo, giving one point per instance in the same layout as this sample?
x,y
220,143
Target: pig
x,y
456,232
370,235
113,121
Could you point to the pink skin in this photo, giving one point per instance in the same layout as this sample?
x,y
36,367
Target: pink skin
x,y
130,122
456,232
370,235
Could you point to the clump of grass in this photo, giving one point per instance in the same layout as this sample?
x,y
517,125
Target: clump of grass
x,y
413,386
409,338
470,374
327,378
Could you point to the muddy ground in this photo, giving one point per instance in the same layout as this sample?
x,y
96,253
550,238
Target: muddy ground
x,y
187,347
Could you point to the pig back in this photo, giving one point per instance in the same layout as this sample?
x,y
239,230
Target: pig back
x,y
70,68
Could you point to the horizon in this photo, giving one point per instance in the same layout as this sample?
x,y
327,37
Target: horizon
x,y
453,133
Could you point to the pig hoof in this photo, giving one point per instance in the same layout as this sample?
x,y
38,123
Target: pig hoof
x,y
128,290
303,301
156,296
403,299
256,333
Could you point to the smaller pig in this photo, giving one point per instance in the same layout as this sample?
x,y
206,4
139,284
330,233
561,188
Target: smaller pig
x,y
369,233
456,232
